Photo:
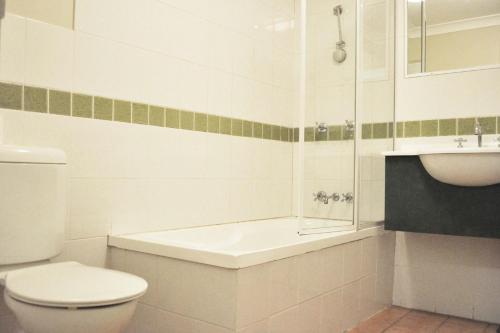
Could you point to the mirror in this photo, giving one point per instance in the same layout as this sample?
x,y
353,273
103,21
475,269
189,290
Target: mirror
x,y
452,35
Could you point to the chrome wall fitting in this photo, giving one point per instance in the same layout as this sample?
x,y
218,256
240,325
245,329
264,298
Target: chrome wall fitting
x,y
347,197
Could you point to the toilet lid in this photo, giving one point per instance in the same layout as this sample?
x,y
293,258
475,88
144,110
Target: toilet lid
x,y
71,284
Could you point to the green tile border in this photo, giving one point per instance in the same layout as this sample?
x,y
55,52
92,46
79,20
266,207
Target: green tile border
x,y
38,99
59,102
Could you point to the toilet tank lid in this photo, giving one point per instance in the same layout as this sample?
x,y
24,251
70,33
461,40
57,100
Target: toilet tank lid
x,y
35,155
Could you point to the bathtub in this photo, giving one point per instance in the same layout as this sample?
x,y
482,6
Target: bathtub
x,y
236,245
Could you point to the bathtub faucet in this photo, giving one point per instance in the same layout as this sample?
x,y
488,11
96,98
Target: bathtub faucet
x,y
323,197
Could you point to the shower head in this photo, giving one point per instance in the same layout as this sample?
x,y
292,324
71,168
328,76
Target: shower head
x,y
339,55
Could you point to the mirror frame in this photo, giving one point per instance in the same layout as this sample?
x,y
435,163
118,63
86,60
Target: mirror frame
x,y
424,74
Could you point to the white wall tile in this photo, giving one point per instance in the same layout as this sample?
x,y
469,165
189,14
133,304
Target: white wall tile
x,y
283,284
260,327
285,322
331,312
13,48
49,56
253,295
351,305
89,251
352,261
145,320
182,288
310,316
312,279
89,203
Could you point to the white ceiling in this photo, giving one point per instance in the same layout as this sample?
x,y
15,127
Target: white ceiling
x,y
440,11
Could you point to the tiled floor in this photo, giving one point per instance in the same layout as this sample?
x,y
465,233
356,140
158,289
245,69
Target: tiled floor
x,y
400,320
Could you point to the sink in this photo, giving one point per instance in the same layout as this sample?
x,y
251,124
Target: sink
x,y
463,166
458,166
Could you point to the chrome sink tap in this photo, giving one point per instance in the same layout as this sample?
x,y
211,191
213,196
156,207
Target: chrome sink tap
x,y
478,130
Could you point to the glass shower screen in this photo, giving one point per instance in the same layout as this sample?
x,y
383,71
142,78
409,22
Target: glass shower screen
x,y
345,59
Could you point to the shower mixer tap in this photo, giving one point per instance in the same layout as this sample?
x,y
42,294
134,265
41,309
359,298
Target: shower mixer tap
x,y
323,197
347,197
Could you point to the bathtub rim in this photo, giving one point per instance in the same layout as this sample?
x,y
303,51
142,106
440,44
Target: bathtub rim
x,y
243,260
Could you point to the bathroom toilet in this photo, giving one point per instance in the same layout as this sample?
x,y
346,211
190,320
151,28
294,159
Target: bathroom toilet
x,y
66,297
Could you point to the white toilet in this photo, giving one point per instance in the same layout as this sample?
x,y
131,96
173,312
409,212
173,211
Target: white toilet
x,y
65,297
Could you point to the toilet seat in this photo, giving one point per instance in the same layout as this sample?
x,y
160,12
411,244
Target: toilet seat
x,y
73,285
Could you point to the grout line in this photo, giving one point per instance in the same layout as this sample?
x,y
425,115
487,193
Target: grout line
x,y
397,321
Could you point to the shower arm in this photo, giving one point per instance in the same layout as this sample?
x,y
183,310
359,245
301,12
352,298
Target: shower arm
x,y
337,11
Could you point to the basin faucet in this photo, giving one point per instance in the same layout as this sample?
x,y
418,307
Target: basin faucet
x,y
478,130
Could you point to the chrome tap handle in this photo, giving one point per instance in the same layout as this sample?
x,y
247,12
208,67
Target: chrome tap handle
x,y
349,125
460,142
321,196
347,197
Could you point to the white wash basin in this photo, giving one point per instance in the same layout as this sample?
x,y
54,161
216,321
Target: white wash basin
x,y
459,166
463,166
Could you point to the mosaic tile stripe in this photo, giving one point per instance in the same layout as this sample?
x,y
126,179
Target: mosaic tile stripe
x,y
42,100
446,127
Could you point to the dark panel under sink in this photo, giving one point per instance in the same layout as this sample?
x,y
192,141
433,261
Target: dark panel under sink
x,y
416,202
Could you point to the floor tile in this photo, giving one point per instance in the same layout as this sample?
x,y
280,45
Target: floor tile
x,y
491,329
382,320
418,322
458,325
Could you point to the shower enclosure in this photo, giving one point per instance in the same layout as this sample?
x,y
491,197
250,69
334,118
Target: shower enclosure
x,y
345,91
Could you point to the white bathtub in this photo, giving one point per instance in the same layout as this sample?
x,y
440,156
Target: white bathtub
x,y
236,245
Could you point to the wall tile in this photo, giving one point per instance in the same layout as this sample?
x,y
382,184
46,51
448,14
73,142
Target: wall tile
x,y
35,99
13,48
225,125
400,129
276,132
49,56
156,116
312,279
103,108
186,120
285,322
247,129
11,96
200,122
331,311
488,124
366,131
447,127
82,106
140,114
283,284
172,118
352,261
380,131
258,130
429,128
351,305
466,126
412,129
236,127
59,102
213,124
253,295
122,111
